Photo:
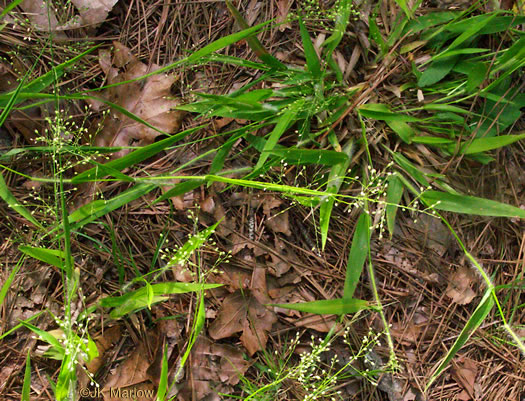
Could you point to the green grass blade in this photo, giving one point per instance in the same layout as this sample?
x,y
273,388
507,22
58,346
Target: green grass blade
x,y
132,158
139,299
485,144
47,337
13,203
284,122
198,325
358,254
379,111
437,70
470,205
26,387
404,6
9,7
479,315
335,180
253,42
403,130
310,156
54,257
179,189
45,80
163,380
312,60
341,22
338,306
7,284
98,208
393,197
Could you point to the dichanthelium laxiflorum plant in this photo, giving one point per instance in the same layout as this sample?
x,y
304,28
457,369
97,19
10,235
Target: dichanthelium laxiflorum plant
x,y
310,101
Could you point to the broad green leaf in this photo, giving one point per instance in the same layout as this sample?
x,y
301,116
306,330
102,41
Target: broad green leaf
x,y
429,20
139,299
379,111
375,34
402,129
467,50
67,378
6,286
479,315
13,203
312,60
358,253
45,336
497,24
54,257
485,144
198,325
45,80
8,8
329,306
393,197
437,70
470,205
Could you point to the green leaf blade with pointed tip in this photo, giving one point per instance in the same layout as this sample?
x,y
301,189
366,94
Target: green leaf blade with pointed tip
x,y
328,306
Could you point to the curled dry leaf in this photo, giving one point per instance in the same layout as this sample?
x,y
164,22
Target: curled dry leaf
x,y
93,12
279,223
134,376
148,99
459,286
242,312
465,375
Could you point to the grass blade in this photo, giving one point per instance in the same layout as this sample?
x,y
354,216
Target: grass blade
x,y
479,315
13,203
253,42
282,125
485,144
393,197
132,158
358,254
163,381
335,180
470,205
139,299
338,306
26,387
312,60
53,257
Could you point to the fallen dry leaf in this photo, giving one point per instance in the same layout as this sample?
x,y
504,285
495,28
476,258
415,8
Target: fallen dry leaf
x,y
242,312
283,8
103,342
93,12
148,99
279,223
134,376
465,375
459,286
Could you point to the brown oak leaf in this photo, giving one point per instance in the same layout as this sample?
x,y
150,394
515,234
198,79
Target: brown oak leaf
x,y
242,312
